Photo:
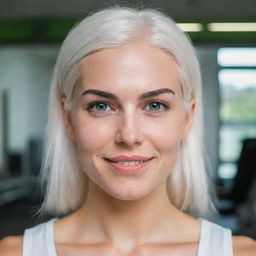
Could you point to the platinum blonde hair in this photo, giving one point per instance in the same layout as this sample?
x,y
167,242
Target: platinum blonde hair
x,y
64,182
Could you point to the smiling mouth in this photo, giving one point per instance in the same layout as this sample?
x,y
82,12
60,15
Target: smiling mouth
x,y
128,167
128,163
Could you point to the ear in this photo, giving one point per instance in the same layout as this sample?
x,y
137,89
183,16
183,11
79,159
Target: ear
x,y
66,115
189,119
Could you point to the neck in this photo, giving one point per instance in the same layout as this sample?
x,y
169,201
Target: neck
x,y
129,223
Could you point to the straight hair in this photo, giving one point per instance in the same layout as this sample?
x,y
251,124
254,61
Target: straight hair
x,y
64,183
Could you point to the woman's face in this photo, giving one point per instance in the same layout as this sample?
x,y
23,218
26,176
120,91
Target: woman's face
x,y
122,118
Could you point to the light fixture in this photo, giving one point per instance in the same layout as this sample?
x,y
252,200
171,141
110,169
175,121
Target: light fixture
x,y
190,27
232,26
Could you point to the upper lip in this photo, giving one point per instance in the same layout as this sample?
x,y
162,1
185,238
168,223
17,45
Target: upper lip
x,y
129,158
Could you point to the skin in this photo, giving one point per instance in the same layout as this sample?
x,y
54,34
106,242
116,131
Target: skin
x,y
128,215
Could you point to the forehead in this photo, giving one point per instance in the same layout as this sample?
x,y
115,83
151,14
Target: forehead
x,y
136,66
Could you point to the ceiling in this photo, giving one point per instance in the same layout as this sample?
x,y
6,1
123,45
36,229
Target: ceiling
x,y
179,9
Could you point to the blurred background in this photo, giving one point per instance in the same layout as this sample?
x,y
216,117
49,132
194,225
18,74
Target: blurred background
x,y
224,34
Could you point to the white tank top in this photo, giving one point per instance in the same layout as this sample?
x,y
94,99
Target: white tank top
x,y
214,240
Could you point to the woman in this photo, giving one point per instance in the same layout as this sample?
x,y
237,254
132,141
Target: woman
x,y
123,159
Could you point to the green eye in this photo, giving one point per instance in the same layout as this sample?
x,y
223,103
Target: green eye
x,y
101,107
157,106
98,107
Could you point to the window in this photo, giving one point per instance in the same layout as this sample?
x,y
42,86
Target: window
x,y
237,81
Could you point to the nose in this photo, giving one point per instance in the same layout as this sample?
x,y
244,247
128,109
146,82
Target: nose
x,y
129,130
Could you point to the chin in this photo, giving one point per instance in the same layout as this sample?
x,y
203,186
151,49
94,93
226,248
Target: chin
x,y
129,194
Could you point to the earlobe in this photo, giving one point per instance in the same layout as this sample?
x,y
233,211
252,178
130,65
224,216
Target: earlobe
x,y
189,119
67,119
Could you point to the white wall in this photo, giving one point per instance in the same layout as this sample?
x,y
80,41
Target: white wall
x,y
25,73
209,68
2,132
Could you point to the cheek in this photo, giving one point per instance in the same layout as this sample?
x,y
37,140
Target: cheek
x,y
166,133
92,135
166,138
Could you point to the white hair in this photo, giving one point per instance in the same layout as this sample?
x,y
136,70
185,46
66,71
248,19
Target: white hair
x,y
65,183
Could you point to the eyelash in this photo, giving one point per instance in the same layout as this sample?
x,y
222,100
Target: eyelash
x,y
92,104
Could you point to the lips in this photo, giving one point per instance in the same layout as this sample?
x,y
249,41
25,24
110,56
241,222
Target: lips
x,y
123,158
128,165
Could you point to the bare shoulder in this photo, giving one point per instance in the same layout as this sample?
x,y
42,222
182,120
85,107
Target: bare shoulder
x,y
11,246
244,246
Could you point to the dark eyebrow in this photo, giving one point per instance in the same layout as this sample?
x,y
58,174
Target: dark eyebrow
x,y
142,96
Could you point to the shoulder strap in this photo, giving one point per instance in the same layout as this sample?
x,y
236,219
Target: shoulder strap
x,y
39,240
215,240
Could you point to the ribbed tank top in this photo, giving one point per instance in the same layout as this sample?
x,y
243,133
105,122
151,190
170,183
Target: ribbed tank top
x,y
214,240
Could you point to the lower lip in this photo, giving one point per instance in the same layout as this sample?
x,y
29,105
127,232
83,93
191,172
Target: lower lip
x,y
129,169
